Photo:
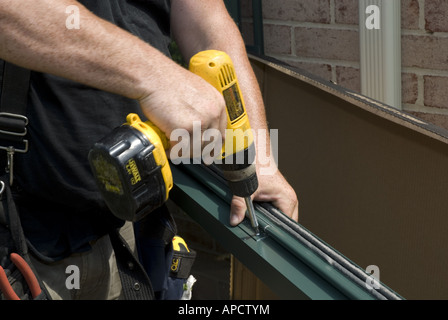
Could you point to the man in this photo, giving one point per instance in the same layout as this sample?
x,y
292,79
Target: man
x,y
85,81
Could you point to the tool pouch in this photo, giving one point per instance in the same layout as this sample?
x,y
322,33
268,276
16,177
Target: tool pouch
x,y
179,287
154,235
12,240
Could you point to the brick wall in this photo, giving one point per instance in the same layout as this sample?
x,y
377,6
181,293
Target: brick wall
x,y
321,36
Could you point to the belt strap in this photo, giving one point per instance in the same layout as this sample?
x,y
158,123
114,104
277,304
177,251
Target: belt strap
x,y
13,104
134,280
15,87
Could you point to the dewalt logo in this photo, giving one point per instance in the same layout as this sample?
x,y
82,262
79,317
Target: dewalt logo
x,y
132,170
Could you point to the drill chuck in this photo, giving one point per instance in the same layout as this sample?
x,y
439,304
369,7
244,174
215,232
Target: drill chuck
x,y
244,187
241,175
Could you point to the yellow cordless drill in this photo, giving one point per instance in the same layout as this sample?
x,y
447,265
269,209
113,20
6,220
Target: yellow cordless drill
x,y
237,161
130,165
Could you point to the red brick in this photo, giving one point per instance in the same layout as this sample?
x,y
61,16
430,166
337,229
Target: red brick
x,y
347,11
277,39
435,15
327,43
410,10
436,93
425,52
409,86
297,10
348,77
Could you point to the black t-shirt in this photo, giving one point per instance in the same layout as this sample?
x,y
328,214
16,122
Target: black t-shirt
x,y
58,201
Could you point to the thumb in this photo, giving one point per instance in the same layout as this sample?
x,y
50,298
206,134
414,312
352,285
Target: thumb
x,y
237,210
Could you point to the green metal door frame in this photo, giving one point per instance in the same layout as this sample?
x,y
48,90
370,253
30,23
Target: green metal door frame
x,y
291,262
234,8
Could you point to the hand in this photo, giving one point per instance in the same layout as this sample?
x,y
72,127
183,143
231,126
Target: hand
x,y
272,188
181,98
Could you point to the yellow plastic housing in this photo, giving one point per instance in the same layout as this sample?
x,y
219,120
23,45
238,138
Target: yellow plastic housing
x,y
160,142
217,68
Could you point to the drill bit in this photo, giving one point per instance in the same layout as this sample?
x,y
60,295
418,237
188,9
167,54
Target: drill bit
x,y
252,216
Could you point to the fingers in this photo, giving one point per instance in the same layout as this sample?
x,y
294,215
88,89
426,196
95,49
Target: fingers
x,y
190,112
238,210
295,213
289,205
273,189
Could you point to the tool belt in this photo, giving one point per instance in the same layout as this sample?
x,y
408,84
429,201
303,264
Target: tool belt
x,y
18,277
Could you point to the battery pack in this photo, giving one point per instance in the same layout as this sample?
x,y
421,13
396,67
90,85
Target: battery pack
x,y
127,174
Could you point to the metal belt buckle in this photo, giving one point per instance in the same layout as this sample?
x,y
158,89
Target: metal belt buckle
x,y
11,150
16,134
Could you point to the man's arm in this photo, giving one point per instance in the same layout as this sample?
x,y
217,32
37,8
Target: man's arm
x,y
201,25
101,55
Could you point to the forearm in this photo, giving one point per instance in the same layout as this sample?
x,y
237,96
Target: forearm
x,y
201,25
99,54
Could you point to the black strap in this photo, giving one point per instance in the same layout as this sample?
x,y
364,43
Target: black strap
x,y
134,279
11,217
16,80
13,104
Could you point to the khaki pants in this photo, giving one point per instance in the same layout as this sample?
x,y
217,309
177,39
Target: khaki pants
x,y
98,274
